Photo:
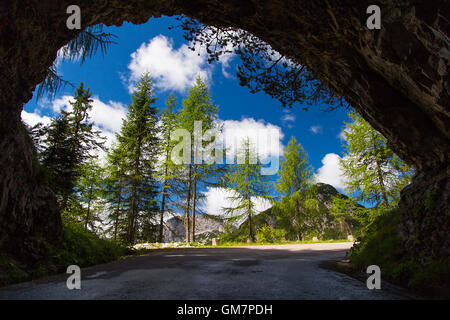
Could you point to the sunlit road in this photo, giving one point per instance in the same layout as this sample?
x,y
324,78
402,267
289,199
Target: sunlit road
x,y
255,272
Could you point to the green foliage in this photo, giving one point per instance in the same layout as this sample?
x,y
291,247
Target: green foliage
x,y
11,270
351,213
84,46
261,67
301,214
295,172
268,234
69,142
168,170
373,172
380,244
89,191
78,246
135,158
247,183
197,110
84,248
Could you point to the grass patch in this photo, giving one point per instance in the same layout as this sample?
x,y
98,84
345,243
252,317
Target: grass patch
x,y
258,243
380,244
78,247
84,248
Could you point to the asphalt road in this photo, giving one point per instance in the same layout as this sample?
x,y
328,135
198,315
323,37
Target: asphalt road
x,y
253,272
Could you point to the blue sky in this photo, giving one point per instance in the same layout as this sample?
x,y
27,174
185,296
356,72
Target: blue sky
x,y
173,67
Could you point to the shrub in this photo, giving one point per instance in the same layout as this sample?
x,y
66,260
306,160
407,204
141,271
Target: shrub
x,y
380,244
78,246
85,248
268,234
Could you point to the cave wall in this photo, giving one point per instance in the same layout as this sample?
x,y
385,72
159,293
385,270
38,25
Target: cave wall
x,y
396,78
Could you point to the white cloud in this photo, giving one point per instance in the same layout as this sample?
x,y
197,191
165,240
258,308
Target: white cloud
x,y
288,119
170,68
107,116
331,172
316,129
218,198
61,103
266,137
34,118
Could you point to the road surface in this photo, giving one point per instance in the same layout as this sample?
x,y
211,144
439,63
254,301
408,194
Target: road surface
x,y
252,272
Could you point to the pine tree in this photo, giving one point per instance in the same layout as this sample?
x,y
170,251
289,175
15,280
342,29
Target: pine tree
x,y
167,170
373,172
114,191
248,184
197,106
70,141
295,172
89,189
84,46
58,157
301,214
139,140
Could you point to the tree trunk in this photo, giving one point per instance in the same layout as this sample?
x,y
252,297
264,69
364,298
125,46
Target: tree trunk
x,y
188,202
163,201
194,195
382,186
380,176
250,222
131,215
161,221
117,215
88,209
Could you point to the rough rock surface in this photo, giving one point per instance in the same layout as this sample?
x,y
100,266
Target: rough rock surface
x,y
204,225
329,227
396,78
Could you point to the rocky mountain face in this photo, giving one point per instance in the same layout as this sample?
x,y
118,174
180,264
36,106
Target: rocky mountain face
x,y
328,226
206,227
396,78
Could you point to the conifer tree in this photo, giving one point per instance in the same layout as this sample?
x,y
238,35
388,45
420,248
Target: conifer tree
x,y
88,192
139,142
248,184
114,192
373,172
295,172
70,141
197,106
167,170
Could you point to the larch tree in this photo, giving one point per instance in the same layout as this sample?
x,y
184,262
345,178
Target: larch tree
x,y
197,108
248,185
89,192
167,169
295,172
373,172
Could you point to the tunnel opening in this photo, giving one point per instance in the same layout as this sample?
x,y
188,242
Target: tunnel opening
x,y
398,84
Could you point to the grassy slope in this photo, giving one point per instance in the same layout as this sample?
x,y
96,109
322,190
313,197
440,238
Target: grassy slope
x,y
381,245
78,247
